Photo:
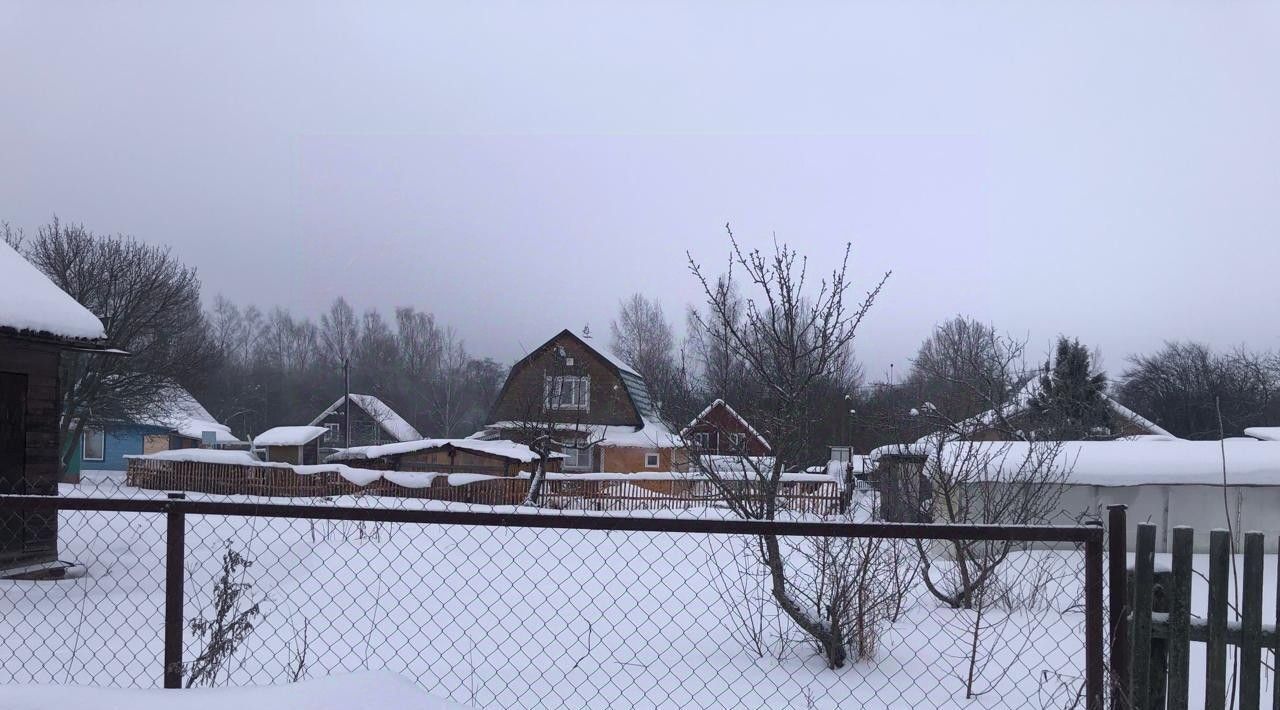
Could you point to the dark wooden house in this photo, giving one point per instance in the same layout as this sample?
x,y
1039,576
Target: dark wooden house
x,y
720,431
37,322
589,396
373,422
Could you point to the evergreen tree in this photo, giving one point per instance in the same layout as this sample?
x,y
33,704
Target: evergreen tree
x,y
1070,403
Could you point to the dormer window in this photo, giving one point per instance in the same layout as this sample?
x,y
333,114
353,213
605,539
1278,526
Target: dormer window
x,y
572,393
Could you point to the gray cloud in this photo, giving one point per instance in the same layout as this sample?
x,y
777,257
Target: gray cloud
x,y
1104,172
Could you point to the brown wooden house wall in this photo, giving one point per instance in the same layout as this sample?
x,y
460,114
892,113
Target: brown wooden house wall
x,y
521,396
32,538
719,424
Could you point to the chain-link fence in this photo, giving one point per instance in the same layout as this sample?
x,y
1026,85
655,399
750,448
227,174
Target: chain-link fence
x,y
496,609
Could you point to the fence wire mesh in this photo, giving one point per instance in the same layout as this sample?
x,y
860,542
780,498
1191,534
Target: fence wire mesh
x,y
501,615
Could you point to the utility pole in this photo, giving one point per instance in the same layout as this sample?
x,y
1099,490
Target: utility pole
x,y
346,400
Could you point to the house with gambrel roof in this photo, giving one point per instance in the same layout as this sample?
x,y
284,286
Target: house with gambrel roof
x,y
587,395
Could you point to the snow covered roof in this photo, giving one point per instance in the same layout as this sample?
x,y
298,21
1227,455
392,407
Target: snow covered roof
x,y
501,448
289,435
1265,433
239,458
1022,402
31,304
732,412
182,413
1125,463
609,355
635,383
650,436
393,423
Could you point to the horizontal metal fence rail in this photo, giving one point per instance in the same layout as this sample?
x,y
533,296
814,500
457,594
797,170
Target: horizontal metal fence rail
x,y
1085,534
172,551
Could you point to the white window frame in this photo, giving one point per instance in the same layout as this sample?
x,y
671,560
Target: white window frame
x,y
554,391
702,441
573,456
334,433
737,441
657,459
84,444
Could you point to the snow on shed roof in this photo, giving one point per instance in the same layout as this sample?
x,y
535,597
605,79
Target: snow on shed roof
x,y
226,456
1265,433
394,424
289,435
500,447
31,303
181,412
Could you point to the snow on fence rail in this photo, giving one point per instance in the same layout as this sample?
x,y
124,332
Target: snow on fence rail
x,y
803,493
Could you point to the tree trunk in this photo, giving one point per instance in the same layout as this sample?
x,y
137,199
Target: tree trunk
x,y
534,497
828,637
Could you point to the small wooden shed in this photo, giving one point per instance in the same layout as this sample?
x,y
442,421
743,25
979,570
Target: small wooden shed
x,y
290,444
38,321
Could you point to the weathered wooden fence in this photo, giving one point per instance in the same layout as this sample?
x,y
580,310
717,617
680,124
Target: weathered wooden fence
x,y
1161,627
611,494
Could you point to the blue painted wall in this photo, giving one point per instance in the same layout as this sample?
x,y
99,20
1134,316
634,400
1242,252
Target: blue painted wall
x,y
121,440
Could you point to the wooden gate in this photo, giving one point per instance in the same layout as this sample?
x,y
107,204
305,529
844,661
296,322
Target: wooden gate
x,y
1160,627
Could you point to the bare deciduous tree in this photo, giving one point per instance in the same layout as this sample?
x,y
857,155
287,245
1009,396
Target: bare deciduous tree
x,y
985,468
789,335
149,303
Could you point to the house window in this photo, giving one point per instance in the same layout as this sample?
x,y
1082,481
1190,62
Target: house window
x,y
736,441
95,445
567,392
335,430
651,460
702,440
577,458
568,362
840,453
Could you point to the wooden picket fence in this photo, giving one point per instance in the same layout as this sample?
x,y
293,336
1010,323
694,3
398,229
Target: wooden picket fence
x,y
614,494
1162,628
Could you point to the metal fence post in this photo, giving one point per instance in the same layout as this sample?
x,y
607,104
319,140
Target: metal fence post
x,y
175,546
1117,579
1093,670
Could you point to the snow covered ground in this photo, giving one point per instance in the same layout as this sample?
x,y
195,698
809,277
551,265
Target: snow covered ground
x,y
369,690
518,617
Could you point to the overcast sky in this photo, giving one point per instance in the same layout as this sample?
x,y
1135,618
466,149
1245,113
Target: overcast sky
x,y
1111,173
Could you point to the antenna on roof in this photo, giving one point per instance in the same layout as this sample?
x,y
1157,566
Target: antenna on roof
x,y
586,332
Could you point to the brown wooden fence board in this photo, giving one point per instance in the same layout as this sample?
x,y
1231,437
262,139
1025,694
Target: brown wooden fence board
x,y
811,497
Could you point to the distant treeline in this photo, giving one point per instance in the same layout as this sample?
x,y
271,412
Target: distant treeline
x,y
256,368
